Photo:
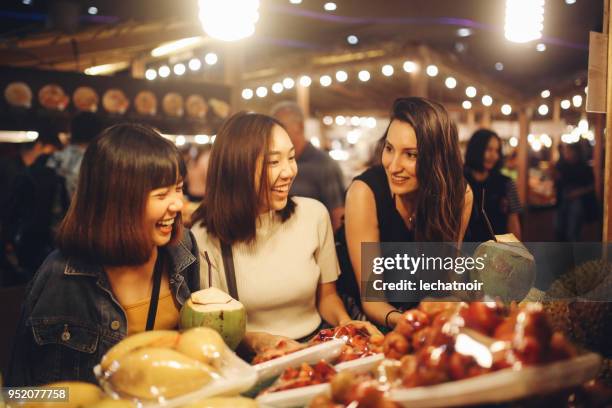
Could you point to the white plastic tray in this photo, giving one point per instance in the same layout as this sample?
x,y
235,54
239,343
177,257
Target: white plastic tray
x,y
327,351
235,376
504,385
299,397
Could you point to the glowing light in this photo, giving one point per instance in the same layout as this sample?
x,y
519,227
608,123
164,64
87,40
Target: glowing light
x,y
541,47
577,101
179,69
524,20
499,66
364,76
464,32
565,104
467,105
340,120
247,94
506,109
353,136
211,58
305,81
545,93
315,142
513,141
487,100
330,6
536,146
410,66
176,46
341,76
546,140
543,109
325,80
328,120
450,83
180,140
295,1
164,71
106,68
338,154
277,87
195,64
371,122
387,70
583,125
229,20
261,91
92,10
470,92
202,139
288,83
150,74
432,70
352,39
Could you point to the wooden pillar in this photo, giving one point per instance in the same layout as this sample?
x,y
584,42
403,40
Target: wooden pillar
x,y
524,116
485,119
471,119
303,98
556,138
419,82
607,196
599,121
232,68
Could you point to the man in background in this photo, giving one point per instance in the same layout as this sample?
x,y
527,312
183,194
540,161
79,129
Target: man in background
x,y
66,163
319,176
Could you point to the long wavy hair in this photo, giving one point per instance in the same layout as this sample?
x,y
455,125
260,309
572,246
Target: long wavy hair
x,y
441,192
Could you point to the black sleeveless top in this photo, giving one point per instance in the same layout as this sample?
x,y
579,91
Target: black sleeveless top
x,y
391,225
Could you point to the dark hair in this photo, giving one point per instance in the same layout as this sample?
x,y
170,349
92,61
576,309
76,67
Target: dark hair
x,y
474,155
105,221
441,191
85,126
231,203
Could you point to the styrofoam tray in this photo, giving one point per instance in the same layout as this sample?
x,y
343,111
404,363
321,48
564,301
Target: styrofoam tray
x,y
299,397
235,376
327,351
503,385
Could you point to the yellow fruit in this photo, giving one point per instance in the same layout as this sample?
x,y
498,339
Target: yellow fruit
x,y
152,372
156,338
202,344
224,402
80,395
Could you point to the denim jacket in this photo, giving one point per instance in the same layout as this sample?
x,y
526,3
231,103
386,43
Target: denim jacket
x,y
70,317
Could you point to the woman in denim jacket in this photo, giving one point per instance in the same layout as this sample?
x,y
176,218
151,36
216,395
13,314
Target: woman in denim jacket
x,y
124,223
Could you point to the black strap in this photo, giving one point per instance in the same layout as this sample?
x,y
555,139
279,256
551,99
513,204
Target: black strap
x,y
157,275
230,272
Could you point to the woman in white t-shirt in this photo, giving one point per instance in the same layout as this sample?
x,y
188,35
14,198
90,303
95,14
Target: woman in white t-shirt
x,y
282,247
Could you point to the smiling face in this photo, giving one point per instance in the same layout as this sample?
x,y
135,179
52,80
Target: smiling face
x,y
491,154
280,170
163,205
399,158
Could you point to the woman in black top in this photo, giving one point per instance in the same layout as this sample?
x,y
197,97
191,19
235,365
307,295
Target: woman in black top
x,y
417,194
483,161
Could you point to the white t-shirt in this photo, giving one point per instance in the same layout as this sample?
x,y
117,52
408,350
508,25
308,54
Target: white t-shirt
x,y
278,274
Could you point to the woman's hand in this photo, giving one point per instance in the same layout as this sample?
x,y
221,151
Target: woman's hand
x,y
360,324
268,346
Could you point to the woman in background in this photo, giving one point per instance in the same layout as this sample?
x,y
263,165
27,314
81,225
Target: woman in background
x,y
483,162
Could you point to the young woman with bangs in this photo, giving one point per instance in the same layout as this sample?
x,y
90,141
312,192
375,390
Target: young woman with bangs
x,y
280,248
124,263
417,193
